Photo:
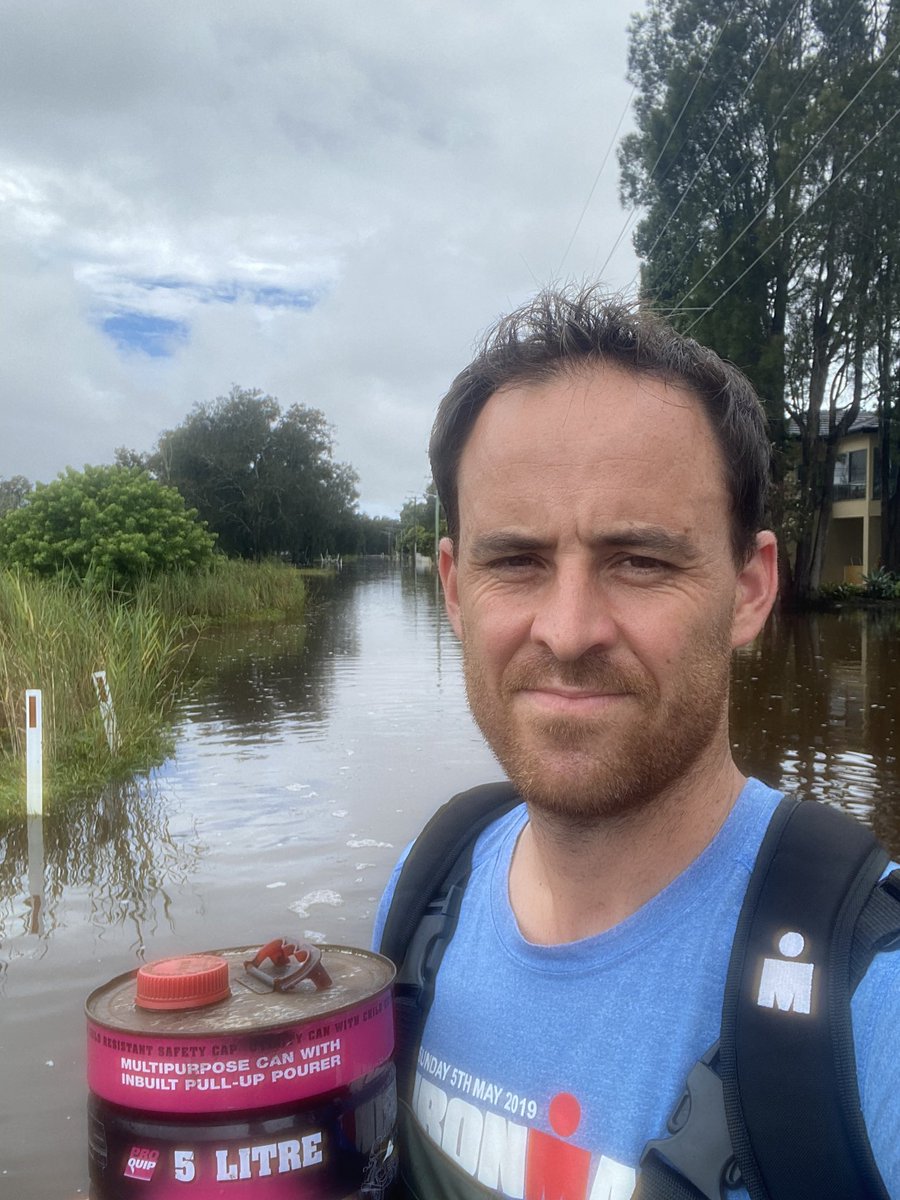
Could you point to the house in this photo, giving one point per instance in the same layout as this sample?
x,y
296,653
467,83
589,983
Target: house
x,y
853,548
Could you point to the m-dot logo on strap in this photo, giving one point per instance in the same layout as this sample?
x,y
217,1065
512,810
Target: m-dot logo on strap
x,y
786,984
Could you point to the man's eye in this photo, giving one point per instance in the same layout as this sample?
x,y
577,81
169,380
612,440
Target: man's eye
x,y
514,562
641,563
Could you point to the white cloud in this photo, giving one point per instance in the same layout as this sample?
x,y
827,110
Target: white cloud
x,y
418,166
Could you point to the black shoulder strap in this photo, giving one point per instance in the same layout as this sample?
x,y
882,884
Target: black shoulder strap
x,y
799,1132
425,907
776,1104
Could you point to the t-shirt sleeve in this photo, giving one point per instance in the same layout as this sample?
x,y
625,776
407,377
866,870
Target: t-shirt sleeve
x,y
876,1027
387,896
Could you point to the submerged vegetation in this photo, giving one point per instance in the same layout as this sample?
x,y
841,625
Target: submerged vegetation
x,y
230,589
56,631
880,587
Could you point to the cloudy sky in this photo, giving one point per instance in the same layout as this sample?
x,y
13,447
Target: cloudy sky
x,y
325,200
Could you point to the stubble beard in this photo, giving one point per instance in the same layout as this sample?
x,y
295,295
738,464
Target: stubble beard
x,y
585,770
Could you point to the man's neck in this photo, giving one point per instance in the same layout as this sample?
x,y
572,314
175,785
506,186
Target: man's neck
x,y
570,881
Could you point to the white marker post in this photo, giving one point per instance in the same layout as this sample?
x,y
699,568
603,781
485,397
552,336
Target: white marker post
x,y
34,754
36,871
107,712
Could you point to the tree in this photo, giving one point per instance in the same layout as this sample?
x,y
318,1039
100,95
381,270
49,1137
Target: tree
x,y
417,523
14,492
125,457
886,305
376,535
264,480
113,524
764,145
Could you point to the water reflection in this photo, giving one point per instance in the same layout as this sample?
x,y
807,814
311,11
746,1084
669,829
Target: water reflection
x,y
269,680
816,710
254,677
116,848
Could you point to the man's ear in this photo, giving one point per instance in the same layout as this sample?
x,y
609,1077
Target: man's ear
x,y
449,579
756,589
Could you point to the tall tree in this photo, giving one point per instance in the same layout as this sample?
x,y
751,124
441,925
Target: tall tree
x,y
264,480
886,305
376,535
758,160
14,492
417,518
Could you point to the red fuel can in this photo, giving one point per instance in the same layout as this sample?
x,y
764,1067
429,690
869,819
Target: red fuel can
x,y
258,1073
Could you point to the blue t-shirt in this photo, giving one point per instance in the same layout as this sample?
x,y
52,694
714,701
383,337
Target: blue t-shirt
x,y
544,1070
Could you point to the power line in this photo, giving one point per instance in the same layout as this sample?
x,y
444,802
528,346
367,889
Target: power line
x,y
721,133
690,96
799,216
780,189
745,168
609,150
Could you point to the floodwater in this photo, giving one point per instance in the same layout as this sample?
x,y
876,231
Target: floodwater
x,y
306,758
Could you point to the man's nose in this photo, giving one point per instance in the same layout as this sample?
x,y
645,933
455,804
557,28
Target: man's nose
x,y
573,615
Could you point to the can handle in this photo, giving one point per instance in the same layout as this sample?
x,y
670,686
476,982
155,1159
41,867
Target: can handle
x,y
283,975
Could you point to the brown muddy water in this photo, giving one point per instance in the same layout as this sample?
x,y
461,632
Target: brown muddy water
x,y
306,758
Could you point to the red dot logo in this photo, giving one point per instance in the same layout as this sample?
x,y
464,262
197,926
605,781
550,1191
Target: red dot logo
x,y
565,1114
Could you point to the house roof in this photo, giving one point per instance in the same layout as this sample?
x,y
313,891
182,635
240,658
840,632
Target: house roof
x,y
865,422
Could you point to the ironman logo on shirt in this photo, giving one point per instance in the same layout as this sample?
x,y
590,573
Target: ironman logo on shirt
x,y
516,1160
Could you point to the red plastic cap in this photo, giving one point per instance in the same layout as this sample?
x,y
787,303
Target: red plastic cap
x,y
192,981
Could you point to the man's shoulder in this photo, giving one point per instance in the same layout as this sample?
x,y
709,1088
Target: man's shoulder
x,y
473,821
876,1036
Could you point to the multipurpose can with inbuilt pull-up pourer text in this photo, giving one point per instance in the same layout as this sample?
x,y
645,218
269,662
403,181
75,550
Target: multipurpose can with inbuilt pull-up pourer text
x,y
258,1073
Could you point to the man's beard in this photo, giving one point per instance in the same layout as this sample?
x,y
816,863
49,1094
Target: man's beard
x,y
616,763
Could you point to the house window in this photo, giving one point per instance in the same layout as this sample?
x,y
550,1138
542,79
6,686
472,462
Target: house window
x,y
850,476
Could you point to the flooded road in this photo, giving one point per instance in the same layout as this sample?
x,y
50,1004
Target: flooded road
x,y
306,758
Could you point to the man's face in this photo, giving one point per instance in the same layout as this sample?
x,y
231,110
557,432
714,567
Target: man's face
x,y
594,589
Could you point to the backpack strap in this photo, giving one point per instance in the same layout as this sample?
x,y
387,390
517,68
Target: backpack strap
x,y
794,1132
425,907
878,927
799,1132
696,1161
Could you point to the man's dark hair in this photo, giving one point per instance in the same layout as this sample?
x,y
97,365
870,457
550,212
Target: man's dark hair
x,y
565,331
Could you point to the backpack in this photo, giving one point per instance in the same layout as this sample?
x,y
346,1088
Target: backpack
x,y
819,871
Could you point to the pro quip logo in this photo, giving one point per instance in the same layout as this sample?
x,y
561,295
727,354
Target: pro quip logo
x,y
141,1163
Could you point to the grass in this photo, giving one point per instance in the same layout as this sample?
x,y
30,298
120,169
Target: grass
x,y
229,590
55,633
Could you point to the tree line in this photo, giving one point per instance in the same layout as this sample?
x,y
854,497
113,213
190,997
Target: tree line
x,y
240,474
763,165
264,479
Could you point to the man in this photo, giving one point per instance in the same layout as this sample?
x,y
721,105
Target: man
x,y
604,482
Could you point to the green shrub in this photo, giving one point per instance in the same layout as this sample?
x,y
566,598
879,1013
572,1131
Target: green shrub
x,y
112,525
882,584
833,593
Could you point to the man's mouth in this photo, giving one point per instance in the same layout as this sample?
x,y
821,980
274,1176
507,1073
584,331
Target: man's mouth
x,y
568,701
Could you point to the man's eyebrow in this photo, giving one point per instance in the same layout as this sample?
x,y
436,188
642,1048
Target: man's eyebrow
x,y
653,538
504,541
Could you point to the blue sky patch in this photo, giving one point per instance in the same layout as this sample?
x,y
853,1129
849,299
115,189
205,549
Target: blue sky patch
x,y
155,336
159,337
230,291
276,297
